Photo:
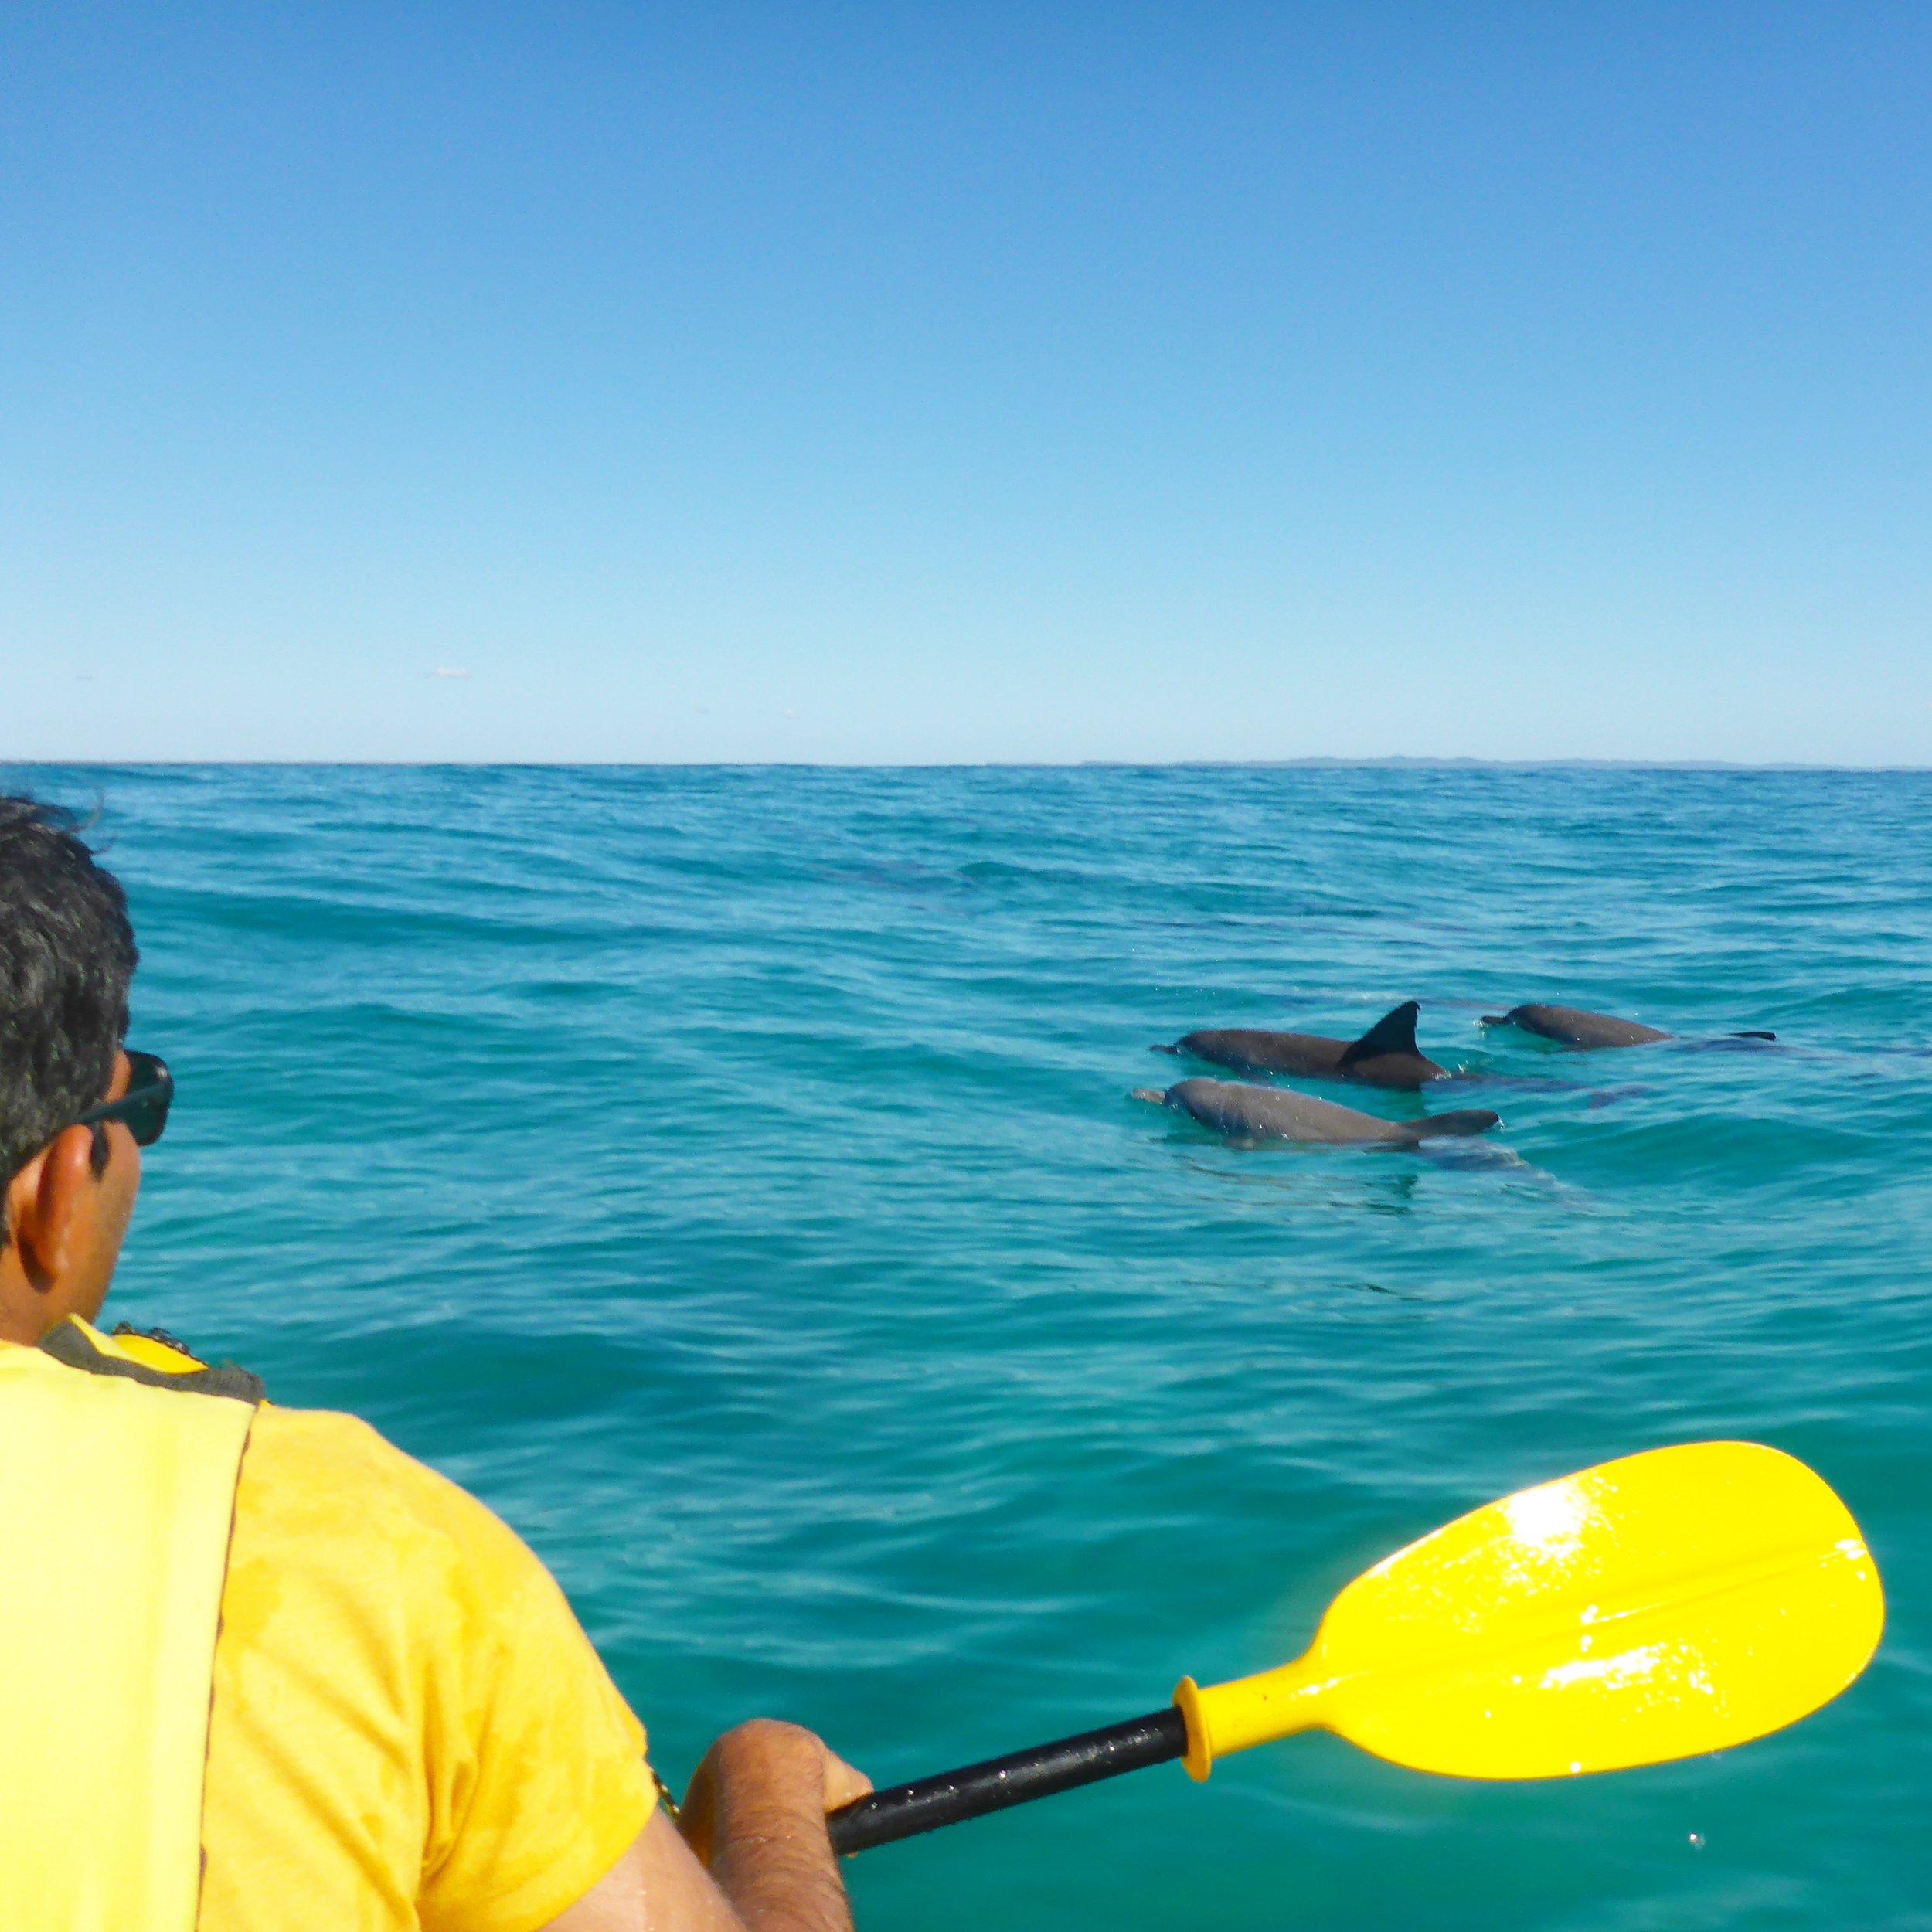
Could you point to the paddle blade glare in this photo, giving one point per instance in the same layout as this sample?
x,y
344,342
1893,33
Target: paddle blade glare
x,y
1664,1604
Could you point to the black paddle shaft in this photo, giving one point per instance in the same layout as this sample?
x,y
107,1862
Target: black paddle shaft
x,y
931,1802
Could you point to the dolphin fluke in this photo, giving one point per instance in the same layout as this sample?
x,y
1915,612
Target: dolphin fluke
x,y
1467,1120
1395,1032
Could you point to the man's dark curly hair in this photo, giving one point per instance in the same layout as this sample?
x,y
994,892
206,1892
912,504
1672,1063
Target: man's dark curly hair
x,y
67,954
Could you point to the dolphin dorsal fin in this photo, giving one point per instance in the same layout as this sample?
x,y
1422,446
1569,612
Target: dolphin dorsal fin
x,y
1395,1032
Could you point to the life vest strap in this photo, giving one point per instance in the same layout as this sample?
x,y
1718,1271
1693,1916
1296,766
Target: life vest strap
x,y
71,1346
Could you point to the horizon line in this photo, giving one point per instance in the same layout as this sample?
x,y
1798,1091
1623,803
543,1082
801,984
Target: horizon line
x,y
1393,761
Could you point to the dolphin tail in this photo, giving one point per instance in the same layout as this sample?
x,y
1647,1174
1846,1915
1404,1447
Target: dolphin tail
x,y
1753,1036
1152,1095
1467,1120
1395,1032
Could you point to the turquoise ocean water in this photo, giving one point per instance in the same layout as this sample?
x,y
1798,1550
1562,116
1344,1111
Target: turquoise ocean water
x,y
728,1175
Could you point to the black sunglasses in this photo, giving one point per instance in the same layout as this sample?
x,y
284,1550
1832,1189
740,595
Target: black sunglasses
x,y
143,1109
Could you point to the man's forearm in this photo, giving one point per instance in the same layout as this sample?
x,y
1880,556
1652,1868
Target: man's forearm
x,y
755,1815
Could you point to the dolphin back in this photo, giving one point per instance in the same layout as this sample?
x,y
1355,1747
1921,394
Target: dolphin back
x,y
1574,1027
1385,1056
1230,1106
1466,1120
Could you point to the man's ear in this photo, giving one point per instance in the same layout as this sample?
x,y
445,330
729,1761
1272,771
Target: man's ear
x,y
46,1202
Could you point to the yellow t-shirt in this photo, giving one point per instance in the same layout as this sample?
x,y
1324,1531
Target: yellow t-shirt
x,y
408,1729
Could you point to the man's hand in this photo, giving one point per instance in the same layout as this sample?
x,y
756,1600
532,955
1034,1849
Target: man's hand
x,y
755,1816
763,1777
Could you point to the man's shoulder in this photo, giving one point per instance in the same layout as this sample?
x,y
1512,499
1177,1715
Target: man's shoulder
x,y
327,1447
320,1487
401,1689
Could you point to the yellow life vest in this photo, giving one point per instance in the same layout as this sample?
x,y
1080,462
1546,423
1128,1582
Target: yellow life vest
x,y
118,1461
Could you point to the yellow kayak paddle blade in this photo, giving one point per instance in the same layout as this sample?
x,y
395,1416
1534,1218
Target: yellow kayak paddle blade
x,y
1654,1607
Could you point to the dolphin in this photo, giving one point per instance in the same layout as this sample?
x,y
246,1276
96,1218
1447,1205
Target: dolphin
x,y
1575,1028
1252,1112
1385,1056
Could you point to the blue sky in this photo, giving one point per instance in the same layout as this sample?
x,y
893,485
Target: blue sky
x,y
959,383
